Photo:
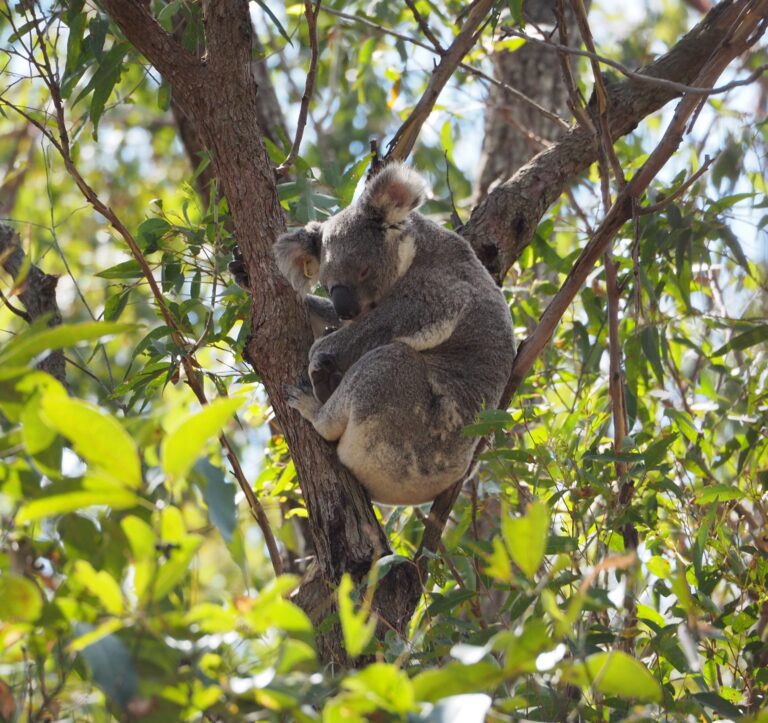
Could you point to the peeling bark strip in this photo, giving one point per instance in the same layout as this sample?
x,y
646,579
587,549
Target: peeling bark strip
x,y
219,96
38,294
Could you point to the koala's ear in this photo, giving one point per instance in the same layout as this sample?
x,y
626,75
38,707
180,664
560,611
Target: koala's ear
x,y
394,192
298,256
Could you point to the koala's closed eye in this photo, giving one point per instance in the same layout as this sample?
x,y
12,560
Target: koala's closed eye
x,y
428,343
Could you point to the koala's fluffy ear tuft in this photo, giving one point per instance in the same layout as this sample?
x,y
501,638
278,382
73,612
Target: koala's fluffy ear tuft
x,y
394,192
298,256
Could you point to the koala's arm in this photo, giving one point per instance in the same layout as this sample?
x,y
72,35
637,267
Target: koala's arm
x,y
421,314
322,315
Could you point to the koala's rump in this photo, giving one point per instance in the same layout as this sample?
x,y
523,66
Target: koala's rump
x,y
403,439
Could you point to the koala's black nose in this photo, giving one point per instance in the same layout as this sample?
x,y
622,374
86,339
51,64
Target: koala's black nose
x,y
344,302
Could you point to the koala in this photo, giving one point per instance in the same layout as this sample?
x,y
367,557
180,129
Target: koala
x,y
424,340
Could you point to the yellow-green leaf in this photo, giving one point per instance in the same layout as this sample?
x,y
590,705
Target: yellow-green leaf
x,y
20,599
615,673
355,626
94,491
96,436
101,631
526,537
181,448
100,584
25,346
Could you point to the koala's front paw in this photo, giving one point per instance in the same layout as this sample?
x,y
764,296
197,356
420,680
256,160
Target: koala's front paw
x,y
301,399
238,270
325,375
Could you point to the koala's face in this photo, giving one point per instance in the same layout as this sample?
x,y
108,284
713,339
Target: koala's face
x,y
359,260
358,254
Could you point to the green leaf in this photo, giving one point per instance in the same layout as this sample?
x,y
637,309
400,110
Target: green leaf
x,y
386,685
649,340
150,232
111,666
455,679
20,599
124,270
181,448
96,436
105,79
112,625
90,492
172,572
526,537
23,347
116,305
219,496
265,7
718,493
355,626
75,41
743,341
718,704
346,189
615,673
100,584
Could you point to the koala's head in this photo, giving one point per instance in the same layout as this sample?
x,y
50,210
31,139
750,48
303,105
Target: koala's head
x,y
359,253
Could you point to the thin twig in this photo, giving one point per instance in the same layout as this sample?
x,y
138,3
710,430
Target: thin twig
x,y
641,77
421,21
604,136
309,87
679,191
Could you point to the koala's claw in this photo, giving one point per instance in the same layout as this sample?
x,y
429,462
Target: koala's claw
x,y
238,270
324,374
301,400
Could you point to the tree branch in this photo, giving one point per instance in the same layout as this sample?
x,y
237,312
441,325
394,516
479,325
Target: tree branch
x,y
400,146
141,28
504,223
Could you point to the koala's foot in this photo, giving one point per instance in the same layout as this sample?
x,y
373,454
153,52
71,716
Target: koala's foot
x,y
301,399
237,268
324,374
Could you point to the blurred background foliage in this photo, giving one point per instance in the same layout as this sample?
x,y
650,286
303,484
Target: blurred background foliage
x,y
134,583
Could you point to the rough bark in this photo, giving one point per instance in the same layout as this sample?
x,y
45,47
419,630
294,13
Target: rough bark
x,y
221,99
514,131
37,294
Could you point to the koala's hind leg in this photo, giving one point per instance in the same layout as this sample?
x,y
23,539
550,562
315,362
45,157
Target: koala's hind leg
x,y
329,419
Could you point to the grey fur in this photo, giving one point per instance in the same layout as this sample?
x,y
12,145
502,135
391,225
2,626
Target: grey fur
x,y
431,346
